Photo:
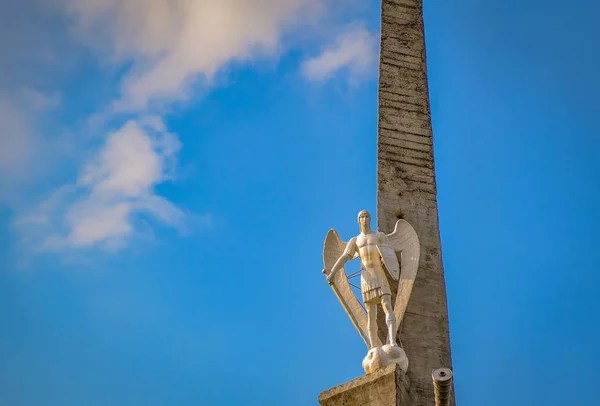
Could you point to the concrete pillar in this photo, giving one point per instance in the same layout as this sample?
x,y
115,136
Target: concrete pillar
x,y
407,188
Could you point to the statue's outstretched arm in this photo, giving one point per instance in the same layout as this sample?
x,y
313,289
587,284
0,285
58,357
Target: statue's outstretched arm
x,y
345,257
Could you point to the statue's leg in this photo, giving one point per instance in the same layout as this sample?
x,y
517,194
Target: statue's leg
x,y
390,318
372,322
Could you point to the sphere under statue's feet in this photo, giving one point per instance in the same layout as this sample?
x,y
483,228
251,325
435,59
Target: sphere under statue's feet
x,y
381,357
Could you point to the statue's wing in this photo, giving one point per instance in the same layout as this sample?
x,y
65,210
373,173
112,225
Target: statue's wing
x,y
334,248
405,242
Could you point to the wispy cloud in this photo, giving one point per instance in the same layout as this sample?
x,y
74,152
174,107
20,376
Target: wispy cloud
x,y
354,50
163,47
117,184
172,43
158,53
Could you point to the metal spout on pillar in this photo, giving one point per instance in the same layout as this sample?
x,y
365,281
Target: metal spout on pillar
x,y
442,386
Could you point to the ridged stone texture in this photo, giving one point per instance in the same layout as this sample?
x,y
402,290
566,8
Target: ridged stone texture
x,y
407,188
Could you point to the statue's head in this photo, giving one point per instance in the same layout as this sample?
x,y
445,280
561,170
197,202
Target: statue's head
x,y
364,219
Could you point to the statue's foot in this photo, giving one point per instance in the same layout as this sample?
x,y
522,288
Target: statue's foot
x,y
380,357
395,355
373,360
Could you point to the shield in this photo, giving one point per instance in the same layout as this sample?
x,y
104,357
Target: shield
x,y
390,260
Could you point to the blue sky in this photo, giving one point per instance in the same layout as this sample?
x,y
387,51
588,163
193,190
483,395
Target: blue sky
x,y
168,176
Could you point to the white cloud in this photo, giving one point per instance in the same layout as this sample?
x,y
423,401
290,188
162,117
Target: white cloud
x,y
163,47
173,43
354,50
158,51
115,186
129,163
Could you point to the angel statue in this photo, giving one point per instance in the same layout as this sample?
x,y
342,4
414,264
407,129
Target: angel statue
x,y
378,255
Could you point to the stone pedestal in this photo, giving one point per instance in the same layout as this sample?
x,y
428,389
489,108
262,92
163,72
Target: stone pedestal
x,y
387,387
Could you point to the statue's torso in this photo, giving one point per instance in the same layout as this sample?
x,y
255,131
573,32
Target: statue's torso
x,y
373,280
367,248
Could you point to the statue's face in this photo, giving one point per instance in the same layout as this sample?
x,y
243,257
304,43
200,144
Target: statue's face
x,y
364,219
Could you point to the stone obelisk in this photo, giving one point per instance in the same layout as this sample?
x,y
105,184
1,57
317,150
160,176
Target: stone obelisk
x,y
407,191
407,187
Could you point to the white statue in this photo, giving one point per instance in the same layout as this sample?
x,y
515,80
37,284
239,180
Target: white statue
x,y
379,255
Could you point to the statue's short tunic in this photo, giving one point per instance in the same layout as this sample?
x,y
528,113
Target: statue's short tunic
x,y
374,284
